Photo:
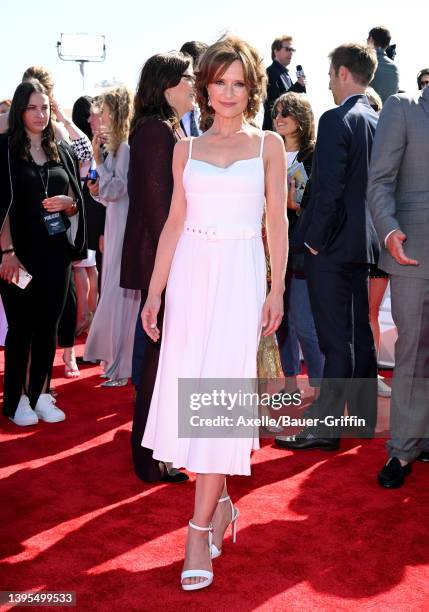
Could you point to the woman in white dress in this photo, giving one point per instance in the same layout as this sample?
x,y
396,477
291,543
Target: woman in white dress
x,y
211,253
112,331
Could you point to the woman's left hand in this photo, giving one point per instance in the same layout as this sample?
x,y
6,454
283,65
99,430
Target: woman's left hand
x,y
272,313
57,203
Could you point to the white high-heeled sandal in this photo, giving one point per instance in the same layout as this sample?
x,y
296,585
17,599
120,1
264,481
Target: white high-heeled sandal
x,y
196,573
215,551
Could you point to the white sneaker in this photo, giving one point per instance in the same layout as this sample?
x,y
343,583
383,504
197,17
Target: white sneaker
x,y
47,411
24,414
383,389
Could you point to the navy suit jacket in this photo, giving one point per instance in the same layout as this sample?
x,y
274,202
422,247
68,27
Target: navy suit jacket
x,y
337,221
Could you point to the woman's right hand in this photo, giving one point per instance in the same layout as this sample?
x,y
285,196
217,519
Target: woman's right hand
x,y
99,138
149,316
9,267
291,197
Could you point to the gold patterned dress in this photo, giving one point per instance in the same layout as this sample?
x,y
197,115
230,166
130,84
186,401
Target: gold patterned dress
x,y
269,364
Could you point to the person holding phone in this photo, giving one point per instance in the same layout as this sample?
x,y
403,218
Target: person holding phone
x,y
42,221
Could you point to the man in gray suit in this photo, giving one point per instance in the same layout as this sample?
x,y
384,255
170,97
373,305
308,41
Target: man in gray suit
x,y
398,198
386,77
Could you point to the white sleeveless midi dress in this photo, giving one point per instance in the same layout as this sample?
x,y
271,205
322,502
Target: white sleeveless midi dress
x,y
213,308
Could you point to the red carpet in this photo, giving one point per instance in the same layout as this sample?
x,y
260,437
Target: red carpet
x,y
315,530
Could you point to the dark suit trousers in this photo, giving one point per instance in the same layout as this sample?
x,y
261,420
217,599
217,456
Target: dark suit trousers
x,y
339,300
145,467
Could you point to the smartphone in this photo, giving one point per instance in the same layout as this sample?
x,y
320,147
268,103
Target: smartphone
x,y
23,280
92,174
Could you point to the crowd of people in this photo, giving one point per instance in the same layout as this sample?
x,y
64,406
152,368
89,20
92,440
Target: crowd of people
x,y
190,244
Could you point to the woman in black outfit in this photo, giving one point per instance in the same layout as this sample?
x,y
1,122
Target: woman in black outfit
x,y
88,279
164,94
42,223
95,216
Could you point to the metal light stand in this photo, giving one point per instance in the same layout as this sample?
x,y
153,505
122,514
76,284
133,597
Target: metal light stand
x,y
74,54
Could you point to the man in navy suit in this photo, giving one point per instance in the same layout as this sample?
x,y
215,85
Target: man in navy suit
x,y
279,80
340,242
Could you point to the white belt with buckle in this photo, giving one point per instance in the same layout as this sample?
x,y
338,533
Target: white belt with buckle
x,y
220,233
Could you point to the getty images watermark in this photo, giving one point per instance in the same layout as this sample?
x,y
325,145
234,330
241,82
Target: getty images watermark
x,y
237,408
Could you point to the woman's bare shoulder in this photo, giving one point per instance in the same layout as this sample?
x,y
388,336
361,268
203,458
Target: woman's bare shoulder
x,y
272,139
273,145
181,152
181,148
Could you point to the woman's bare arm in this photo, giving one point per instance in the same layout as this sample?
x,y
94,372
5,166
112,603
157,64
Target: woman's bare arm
x,y
277,228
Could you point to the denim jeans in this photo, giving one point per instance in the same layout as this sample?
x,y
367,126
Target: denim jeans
x,y
300,331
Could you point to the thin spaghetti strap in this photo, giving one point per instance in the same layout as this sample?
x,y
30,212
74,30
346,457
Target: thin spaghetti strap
x,y
262,144
190,147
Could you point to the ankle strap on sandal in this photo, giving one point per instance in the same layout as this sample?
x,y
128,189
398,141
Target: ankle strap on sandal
x,y
222,499
209,528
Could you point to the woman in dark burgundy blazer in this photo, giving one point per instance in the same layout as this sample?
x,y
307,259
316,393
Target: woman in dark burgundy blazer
x,y
164,95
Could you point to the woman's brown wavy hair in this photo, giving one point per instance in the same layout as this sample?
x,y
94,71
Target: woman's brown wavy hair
x,y
216,60
300,109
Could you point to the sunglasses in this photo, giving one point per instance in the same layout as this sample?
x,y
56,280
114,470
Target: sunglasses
x,y
283,112
189,77
287,48
424,83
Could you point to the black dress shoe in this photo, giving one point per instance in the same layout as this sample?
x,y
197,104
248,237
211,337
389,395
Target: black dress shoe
x,y
393,474
174,476
86,362
424,456
307,440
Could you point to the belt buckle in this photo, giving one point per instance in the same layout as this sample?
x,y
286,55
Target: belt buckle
x,y
211,234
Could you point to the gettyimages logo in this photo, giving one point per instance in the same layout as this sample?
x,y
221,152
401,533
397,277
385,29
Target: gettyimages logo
x,y
235,400
229,408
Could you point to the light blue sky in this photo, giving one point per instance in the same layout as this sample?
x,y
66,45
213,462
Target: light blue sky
x,y
135,30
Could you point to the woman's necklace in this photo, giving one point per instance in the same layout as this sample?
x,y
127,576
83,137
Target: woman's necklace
x,y
36,147
45,185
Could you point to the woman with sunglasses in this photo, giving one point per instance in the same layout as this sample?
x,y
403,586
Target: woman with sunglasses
x,y
294,121
164,94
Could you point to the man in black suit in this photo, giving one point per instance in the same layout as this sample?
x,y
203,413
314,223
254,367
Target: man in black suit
x,y
341,242
279,81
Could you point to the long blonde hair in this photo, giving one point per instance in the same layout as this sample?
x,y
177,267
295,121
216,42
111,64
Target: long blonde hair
x,y
120,106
